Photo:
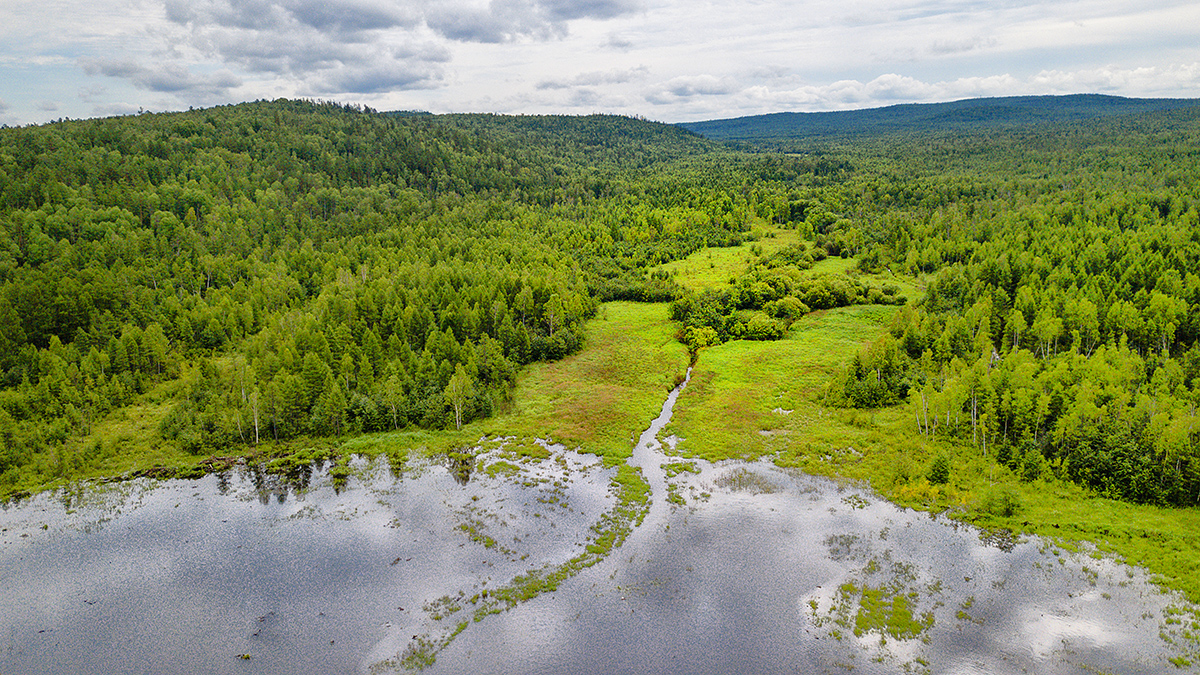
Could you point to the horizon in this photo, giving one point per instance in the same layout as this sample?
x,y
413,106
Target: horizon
x,y
628,57
587,114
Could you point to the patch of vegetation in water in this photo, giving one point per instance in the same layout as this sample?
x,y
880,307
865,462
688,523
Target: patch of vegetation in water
x,y
418,655
673,469
501,468
855,502
889,610
882,601
742,479
1180,628
673,495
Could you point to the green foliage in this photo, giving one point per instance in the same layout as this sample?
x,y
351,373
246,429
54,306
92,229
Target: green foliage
x,y
763,302
1059,326
1002,502
939,470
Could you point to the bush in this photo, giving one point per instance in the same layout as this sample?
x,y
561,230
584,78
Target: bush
x,y
1033,466
1001,502
939,470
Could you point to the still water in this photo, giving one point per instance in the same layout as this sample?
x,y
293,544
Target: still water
x,y
758,570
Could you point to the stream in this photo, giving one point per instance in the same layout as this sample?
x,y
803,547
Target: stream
x,y
736,568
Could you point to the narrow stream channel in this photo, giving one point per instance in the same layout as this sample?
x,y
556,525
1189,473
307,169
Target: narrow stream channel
x,y
648,456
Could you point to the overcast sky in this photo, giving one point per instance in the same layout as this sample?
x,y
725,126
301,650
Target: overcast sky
x,y
667,60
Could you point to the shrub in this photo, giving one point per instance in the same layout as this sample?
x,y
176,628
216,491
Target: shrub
x,y
939,470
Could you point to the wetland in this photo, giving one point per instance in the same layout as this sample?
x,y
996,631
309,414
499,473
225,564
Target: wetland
x,y
728,566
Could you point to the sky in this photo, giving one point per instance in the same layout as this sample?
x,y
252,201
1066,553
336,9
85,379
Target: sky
x,y
665,60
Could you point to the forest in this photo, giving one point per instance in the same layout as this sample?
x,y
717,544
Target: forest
x,y
289,269
298,269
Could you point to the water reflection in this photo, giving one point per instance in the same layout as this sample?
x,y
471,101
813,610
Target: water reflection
x,y
738,568
812,577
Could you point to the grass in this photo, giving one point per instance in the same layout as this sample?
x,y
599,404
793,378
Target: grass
x,y
747,398
602,397
712,268
889,611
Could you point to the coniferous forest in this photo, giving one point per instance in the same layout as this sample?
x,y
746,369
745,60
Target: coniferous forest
x,y
275,270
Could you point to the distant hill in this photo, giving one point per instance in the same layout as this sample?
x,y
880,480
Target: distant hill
x,y
966,115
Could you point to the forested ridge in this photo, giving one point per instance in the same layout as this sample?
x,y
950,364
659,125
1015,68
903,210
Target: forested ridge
x,y
276,269
968,116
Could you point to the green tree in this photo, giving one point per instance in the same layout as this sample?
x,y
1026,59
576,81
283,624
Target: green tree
x,y
458,392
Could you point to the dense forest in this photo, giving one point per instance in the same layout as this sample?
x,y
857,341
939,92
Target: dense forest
x,y
287,269
293,268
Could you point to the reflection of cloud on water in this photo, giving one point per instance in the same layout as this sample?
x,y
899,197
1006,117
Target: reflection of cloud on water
x,y
1047,633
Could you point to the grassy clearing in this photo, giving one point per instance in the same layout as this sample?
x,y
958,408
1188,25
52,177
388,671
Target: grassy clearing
x,y
748,399
712,268
602,397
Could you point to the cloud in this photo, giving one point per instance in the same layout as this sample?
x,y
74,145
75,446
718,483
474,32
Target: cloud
x,y
387,76
596,77
961,45
1148,81
169,78
115,109
500,22
507,20
566,10
92,94
691,86
334,17
47,106
339,46
3,106
617,42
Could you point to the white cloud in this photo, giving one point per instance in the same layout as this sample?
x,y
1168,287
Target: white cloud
x,y
596,77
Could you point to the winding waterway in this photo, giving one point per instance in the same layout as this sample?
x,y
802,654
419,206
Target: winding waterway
x,y
736,568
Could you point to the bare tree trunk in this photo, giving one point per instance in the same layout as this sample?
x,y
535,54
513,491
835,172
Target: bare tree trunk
x,y
254,403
